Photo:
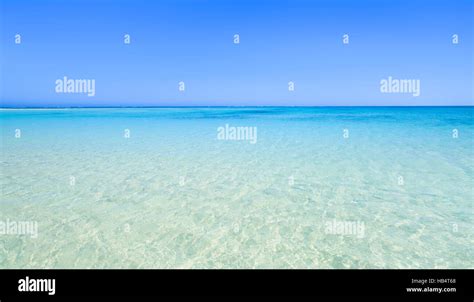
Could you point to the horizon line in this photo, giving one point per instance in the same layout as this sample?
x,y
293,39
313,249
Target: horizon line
x,y
231,106
223,106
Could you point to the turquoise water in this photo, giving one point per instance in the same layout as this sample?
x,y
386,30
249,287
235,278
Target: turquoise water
x,y
173,195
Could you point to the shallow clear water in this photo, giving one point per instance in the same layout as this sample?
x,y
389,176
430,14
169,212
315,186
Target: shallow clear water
x,y
174,196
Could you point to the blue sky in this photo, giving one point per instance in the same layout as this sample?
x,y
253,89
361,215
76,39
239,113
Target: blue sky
x,y
192,41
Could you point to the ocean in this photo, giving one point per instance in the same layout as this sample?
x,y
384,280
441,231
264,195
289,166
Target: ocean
x,y
237,187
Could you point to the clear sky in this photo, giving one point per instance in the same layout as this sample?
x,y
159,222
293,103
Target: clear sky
x,y
192,41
